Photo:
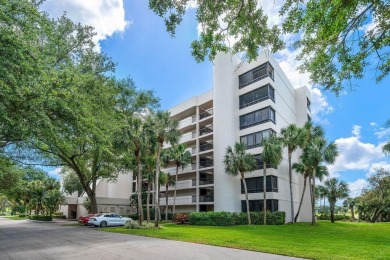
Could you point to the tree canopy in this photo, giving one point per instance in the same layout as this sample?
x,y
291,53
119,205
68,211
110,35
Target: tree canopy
x,y
339,40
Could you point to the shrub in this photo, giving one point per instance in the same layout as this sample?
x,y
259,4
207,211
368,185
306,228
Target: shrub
x,y
41,218
336,217
22,215
221,218
181,217
134,225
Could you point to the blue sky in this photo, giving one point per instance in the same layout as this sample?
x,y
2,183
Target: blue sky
x,y
137,40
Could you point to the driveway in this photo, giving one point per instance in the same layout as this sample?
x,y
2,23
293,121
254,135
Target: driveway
x,y
25,239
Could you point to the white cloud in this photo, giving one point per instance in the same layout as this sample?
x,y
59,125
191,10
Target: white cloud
x,y
381,164
357,186
356,131
373,124
357,155
382,132
106,16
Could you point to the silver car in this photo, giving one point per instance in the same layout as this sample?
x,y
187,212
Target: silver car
x,y
108,219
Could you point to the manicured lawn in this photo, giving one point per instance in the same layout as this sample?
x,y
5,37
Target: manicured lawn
x,y
15,217
342,240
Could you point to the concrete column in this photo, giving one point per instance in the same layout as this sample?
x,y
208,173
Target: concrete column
x,y
226,125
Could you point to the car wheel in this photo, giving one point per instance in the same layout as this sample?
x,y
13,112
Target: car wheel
x,y
103,224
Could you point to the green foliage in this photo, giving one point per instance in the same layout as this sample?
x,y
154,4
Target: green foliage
x,y
41,218
71,183
135,225
220,22
340,39
337,217
375,200
238,162
222,218
181,218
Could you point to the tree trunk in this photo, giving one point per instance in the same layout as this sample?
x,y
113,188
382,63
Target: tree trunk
x,y
156,185
290,182
246,198
139,186
265,192
352,213
166,201
331,207
159,209
300,203
174,193
148,204
313,209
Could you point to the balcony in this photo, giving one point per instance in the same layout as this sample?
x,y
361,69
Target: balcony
x,y
180,200
205,113
180,185
187,137
206,198
205,147
206,163
206,130
187,122
206,181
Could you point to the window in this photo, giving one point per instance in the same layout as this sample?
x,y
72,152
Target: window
x,y
255,185
258,73
257,95
254,140
308,104
257,205
257,117
259,161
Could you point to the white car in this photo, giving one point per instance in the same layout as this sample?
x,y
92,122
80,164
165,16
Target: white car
x,y
108,219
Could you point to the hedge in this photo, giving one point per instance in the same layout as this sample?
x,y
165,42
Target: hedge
x,y
135,216
336,217
222,218
41,218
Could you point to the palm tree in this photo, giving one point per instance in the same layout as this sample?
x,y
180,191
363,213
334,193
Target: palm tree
x,y
293,137
335,189
133,139
167,180
181,158
321,195
318,151
149,168
304,169
164,129
350,203
238,162
272,154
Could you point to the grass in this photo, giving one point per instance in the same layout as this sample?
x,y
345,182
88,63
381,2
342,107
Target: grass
x,y
14,217
342,240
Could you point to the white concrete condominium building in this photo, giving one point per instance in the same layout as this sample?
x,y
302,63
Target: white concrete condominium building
x,y
249,102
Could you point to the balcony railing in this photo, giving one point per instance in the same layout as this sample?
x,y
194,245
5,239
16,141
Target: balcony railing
x,y
206,147
180,200
187,121
206,198
193,198
206,181
206,113
206,130
206,163
180,185
187,137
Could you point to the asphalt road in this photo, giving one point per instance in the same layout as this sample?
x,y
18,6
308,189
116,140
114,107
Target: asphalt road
x,y
24,239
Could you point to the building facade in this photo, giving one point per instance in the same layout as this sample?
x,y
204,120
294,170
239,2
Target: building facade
x,y
249,102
